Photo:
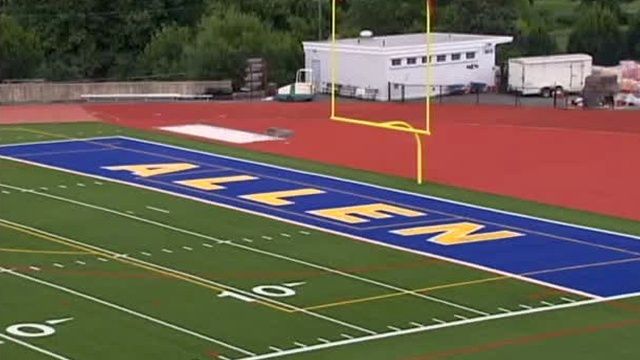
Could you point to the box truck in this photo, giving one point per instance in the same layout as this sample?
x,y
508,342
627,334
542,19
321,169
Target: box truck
x,y
544,75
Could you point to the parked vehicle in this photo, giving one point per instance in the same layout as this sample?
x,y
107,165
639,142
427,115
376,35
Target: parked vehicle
x,y
546,75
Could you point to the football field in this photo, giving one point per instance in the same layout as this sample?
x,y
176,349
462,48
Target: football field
x,y
120,244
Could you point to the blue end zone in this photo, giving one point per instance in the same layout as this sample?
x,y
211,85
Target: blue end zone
x,y
587,261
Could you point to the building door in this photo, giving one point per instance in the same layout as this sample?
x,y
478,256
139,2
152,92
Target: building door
x,y
316,66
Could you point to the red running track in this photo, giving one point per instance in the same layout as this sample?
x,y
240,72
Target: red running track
x,y
587,160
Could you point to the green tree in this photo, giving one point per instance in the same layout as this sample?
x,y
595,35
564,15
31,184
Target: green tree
x,y
20,52
598,33
633,38
163,56
481,16
536,40
384,17
226,38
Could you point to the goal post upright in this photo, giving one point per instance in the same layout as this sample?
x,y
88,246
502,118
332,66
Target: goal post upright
x,y
393,125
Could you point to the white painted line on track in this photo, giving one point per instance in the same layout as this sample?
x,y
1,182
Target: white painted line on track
x,y
125,310
34,348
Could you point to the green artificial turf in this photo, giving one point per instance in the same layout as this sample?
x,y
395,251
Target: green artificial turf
x,y
143,284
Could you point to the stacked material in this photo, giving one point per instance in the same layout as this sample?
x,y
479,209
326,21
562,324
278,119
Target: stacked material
x,y
630,81
600,89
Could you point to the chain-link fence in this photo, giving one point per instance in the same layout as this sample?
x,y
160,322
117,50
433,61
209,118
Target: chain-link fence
x,y
479,93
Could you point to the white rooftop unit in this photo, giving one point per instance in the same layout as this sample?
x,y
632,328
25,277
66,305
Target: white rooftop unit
x,y
371,64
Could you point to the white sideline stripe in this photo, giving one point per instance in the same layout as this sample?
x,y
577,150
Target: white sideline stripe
x,y
158,210
442,326
60,141
430,255
405,192
207,281
283,257
125,310
33,347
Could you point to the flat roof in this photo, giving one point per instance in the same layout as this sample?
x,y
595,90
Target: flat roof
x,y
552,58
416,39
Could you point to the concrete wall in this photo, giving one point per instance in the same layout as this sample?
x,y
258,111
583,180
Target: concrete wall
x,y
46,92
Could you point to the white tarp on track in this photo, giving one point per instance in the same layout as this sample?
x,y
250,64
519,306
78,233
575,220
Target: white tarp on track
x,y
219,133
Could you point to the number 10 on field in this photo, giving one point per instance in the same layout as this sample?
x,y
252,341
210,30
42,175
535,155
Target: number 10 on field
x,y
272,291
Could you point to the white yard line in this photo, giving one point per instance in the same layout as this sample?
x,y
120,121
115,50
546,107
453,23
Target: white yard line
x,y
125,310
158,210
441,326
33,347
283,257
200,279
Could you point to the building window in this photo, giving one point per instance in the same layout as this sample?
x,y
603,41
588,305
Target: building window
x,y
471,55
441,58
424,59
456,57
396,62
412,61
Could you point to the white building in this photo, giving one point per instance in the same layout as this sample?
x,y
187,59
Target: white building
x,y
373,63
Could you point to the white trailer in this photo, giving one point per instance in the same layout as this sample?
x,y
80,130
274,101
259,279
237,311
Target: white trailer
x,y
544,75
